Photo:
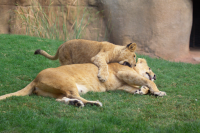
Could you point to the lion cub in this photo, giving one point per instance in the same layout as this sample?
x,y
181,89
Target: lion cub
x,y
80,51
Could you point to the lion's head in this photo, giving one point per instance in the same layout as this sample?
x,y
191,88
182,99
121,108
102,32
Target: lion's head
x,y
128,55
143,69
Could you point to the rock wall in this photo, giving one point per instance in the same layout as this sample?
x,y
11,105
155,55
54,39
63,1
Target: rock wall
x,y
160,28
68,12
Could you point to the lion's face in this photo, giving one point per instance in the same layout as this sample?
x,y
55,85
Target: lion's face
x,y
143,69
128,55
129,59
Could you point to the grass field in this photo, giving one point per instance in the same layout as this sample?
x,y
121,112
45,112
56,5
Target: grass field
x,y
179,111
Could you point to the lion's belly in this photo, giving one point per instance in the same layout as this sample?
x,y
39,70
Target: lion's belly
x,y
82,89
95,85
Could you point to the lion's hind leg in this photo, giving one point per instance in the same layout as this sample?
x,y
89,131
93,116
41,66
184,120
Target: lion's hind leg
x,y
71,96
160,93
97,103
73,93
43,93
69,101
78,101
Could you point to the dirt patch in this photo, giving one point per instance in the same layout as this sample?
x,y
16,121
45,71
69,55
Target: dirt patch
x,y
193,57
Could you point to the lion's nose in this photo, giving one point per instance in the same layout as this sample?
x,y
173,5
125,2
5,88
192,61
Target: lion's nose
x,y
154,77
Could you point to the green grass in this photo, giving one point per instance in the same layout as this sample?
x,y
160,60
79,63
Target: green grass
x,y
179,111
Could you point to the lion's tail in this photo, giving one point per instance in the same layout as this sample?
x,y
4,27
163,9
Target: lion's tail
x,y
23,92
45,54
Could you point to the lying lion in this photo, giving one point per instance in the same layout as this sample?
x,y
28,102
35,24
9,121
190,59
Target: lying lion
x,y
80,51
66,83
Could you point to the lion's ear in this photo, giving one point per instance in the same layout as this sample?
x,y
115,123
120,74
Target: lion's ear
x,y
141,60
132,47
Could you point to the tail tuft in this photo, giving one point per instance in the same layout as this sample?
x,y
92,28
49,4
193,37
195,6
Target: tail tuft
x,y
37,51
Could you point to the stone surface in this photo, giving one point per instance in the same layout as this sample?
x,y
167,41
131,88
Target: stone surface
x,y
5,13
66,12
7,2
161,28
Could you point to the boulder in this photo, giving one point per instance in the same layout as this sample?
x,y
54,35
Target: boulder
x,y
159,27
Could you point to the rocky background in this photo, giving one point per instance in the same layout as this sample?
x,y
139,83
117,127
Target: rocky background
x,y
161,28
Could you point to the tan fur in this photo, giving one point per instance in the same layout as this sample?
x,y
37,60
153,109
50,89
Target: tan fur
x,y
66,83
80,51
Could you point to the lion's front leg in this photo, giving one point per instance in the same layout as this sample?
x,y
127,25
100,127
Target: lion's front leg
x,y
142,91
135,89
128,88
100,61
133,78
145,90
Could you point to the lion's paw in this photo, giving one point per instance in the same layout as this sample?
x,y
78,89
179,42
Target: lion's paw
x,y
160,93
142,91
103,76
75,102
138,92
98,103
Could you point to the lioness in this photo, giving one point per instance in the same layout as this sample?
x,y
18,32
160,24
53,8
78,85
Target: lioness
x,y
80,51
66,83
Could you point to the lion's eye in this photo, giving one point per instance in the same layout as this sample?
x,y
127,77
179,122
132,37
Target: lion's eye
x,y
149,68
